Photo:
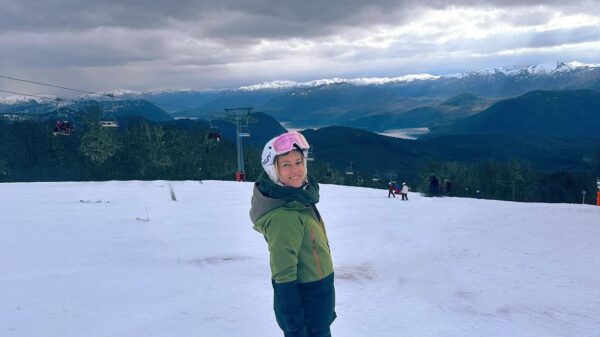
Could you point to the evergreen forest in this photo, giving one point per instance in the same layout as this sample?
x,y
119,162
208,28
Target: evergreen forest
x,y
181,150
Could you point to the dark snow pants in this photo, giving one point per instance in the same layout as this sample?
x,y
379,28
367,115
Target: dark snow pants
x,y
305,309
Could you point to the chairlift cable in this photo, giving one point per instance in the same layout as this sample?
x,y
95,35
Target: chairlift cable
x,y
93,93
49,85
113,122
54,99
29,95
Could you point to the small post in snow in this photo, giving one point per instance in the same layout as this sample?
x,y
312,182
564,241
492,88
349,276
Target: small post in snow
x,y
583,194
598,193
173,198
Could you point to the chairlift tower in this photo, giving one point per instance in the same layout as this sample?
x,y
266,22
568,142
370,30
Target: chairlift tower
x,y
240,117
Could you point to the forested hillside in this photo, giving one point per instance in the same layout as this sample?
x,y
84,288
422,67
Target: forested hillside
x,y
139,150
509,168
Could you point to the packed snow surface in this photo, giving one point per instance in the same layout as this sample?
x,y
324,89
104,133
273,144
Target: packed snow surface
x,y
122,259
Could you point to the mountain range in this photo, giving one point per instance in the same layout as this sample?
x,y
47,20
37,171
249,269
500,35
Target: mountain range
x,y
73,109
558,114
548,115
375,104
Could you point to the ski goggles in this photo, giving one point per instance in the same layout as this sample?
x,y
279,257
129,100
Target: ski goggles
x,y
285,143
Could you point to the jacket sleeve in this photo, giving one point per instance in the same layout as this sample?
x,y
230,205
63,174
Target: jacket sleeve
x,y
284,237
288,308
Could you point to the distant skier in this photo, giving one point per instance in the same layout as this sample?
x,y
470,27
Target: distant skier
x,y
434,185
448,184
391,190
57,126
404,191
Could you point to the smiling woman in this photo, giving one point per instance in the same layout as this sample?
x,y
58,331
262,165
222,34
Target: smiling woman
x,y
290,169
284,211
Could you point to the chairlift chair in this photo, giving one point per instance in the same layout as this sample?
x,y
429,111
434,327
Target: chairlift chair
x,y
214,135
109,124
310,155
63,126
213,132
329,173
244,132
108,119
349,170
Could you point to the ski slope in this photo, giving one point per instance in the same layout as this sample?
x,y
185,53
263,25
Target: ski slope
x,y
112,259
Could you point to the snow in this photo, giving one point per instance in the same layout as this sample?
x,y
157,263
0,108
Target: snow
x,y
75,261
547,69
16,99
405,133
271,85
120,93
336,80
542,69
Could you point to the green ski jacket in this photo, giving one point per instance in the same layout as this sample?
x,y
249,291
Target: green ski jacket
x,y
294,231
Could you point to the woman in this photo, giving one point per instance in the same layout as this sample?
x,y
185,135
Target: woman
x,y
284,211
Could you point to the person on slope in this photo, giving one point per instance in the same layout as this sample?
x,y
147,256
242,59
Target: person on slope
x,y
404,191
391,190
284,211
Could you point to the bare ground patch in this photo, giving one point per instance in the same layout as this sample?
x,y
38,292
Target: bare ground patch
x,y
216,260
355,273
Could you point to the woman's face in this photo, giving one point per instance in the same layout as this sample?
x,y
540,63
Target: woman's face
x,y
291,169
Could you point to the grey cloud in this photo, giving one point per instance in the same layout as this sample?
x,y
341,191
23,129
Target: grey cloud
x,y
559,37
96,48
531,17
497,44
195,44
226,19
85,14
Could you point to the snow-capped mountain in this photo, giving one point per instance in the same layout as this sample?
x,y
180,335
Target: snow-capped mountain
x,y
336,101
16,99
542,69
548,68
337,80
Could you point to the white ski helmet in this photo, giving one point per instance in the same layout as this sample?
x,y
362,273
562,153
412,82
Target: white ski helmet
x,y
280,145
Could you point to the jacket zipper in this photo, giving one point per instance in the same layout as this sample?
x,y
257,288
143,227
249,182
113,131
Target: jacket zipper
x,y
314,252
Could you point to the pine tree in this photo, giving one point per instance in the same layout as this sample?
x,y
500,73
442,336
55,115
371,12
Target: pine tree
x,y
99,144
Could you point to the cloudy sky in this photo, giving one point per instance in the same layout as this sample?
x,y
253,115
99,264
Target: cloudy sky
x,y
201,44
